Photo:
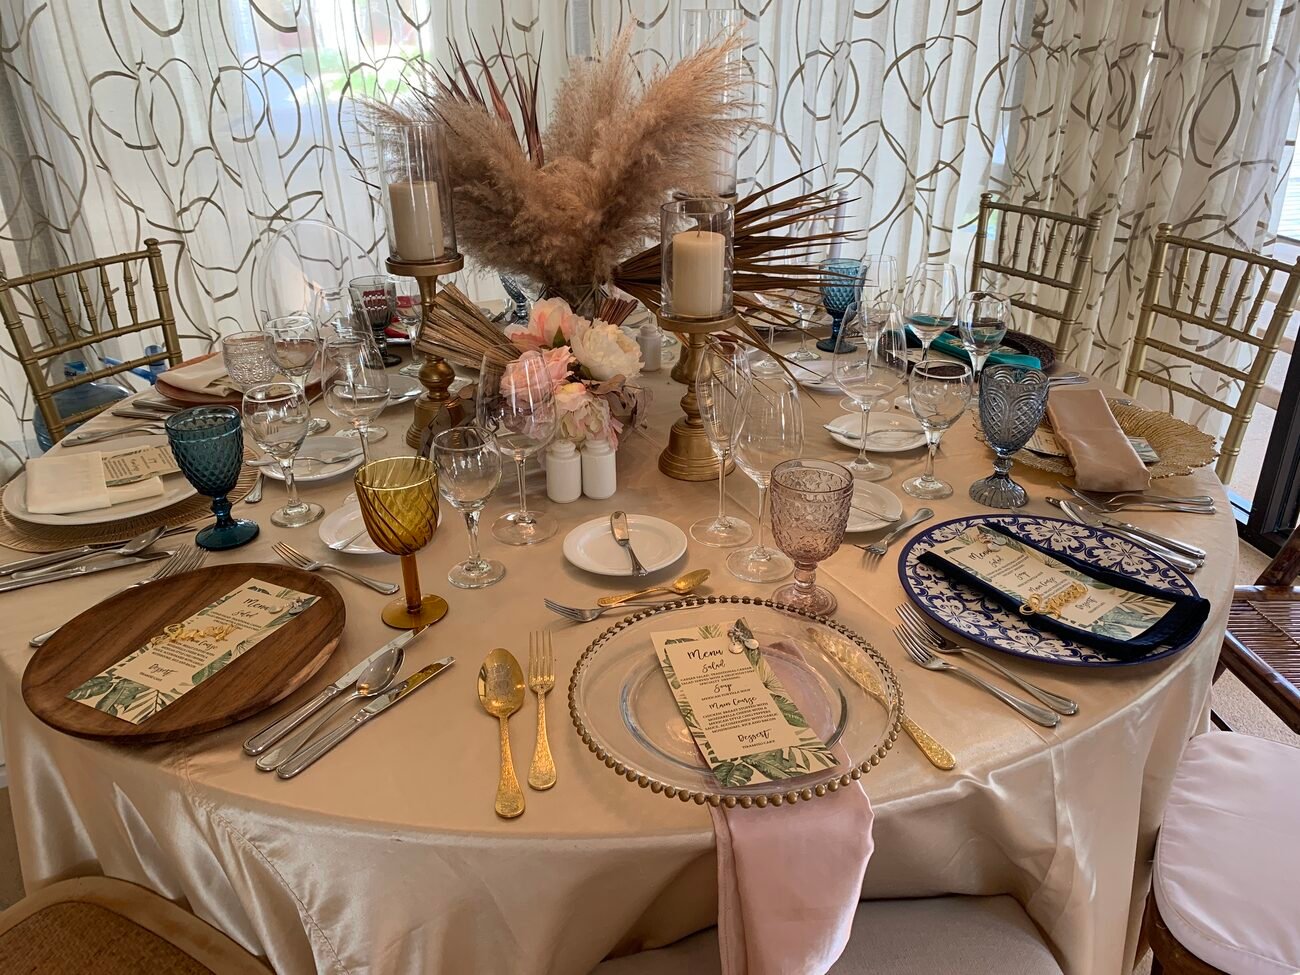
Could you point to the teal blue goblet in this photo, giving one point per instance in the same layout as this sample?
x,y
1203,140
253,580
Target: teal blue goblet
x,y
208,444
841,279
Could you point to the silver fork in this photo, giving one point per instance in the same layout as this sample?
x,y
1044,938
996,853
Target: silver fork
x,y
295,558
186,560
878,548
935,640
1196,507
579,614
924,658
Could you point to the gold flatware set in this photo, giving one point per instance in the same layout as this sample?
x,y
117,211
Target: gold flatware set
x,y
501,692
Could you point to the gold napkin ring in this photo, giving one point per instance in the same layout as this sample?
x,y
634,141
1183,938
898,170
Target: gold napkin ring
x,y
1053,605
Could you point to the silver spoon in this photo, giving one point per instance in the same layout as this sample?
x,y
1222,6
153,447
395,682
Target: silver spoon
x,y
374,680
134,547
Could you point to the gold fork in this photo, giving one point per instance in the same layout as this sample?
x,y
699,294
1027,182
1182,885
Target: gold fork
x,y
541,678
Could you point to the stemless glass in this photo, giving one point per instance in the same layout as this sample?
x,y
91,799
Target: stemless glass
x,y
374,303
469,470
871,363
1012,403
277,416
248,360
516,408
810,511
208,444
356,387
771,432
398,497
982,318
841,278
722,382
939,393
295,341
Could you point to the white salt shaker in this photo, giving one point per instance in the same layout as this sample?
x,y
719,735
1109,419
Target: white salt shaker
x,y
650,339
599,470
563,472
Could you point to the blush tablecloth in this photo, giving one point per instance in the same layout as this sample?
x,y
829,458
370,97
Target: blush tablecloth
x,y
387,857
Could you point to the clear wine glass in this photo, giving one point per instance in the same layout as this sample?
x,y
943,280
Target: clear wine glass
x,y
356,387
940,393
983,318
277,415
469,470
771,431
410,313
879,280
295,342
873,367
722,382
516,409
929,306
374,303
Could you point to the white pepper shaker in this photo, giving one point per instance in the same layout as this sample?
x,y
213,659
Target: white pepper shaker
x,y
650,339
599,470
563,472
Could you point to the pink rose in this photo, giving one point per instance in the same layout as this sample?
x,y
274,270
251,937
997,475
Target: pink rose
x,y
549,325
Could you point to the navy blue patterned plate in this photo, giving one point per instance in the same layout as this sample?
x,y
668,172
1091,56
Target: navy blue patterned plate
x,y
978,618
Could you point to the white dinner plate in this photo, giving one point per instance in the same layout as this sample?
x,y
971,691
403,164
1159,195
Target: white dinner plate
x,y
311,452
175,489
343,523
891,433
591,546
875,498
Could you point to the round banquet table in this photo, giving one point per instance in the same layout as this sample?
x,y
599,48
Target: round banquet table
x,y
386,856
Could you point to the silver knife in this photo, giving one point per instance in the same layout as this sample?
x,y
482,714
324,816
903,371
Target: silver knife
x,y
272,733
1083,517
618,528
85,569
1182,548
306,755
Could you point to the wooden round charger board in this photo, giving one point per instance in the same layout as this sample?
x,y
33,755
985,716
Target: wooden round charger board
x,y
101,636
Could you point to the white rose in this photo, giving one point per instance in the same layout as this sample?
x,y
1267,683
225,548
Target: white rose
x,y
605,351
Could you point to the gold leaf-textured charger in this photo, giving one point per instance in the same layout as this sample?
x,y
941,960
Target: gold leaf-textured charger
x,y
1181,447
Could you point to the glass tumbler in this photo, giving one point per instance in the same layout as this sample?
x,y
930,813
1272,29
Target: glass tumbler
x,y
1012,402
208,444
810,512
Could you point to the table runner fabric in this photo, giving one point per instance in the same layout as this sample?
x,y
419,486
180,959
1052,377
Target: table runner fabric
x,y
1100,452
387,858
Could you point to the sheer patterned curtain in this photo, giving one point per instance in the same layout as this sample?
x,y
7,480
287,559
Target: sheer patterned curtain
x,y
210,123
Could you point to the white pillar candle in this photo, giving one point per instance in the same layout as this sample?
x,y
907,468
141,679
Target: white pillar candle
x,y
698,260
417,220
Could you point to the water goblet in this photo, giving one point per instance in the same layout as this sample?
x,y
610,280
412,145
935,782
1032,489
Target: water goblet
x,y
398,497
516,409
248,360
722,382
982,319
374,303
469,470
771,431
810,512
939,393
356,387
870,364
208,444
295,343
841,278
277,415
1012,401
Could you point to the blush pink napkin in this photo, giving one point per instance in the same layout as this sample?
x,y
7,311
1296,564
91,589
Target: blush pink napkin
x,y
789,879
1102,456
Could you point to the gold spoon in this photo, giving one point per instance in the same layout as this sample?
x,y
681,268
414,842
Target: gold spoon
x,y
681,586
501,692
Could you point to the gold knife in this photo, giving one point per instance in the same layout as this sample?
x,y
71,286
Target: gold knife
x,y
939,756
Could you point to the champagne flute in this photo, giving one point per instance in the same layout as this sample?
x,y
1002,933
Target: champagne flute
x,y
771,431
469,470
879,281
874,367
277,415
982,318
295,341
722,382
356,387
516,408
940,393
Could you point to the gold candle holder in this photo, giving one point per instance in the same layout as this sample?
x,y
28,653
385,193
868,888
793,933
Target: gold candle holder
x,y
689,456
436,375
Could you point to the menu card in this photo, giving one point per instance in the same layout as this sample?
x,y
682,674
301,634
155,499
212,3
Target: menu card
x,y
137,464
187,653
737,710
1039,581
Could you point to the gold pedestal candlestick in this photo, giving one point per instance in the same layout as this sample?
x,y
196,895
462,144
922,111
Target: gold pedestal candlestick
x,y
689,456
436,376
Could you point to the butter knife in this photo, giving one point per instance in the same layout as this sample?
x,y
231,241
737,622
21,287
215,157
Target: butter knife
x,y
85,569
618,527
938,756
308,754
271,734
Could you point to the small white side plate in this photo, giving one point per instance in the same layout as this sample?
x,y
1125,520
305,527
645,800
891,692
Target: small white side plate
x,y
343,523
814,374
873,497
591,545
403,389
311,452
891,433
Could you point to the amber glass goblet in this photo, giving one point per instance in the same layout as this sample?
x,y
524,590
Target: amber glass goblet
x,y
399,504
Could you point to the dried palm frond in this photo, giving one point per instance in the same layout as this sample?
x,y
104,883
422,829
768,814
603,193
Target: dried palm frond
x,y
455,329
615,310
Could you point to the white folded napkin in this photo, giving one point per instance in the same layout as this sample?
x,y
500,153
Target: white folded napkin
x,y
208,376
64,483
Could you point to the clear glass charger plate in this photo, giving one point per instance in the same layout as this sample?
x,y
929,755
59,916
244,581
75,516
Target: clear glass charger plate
x,y
625,713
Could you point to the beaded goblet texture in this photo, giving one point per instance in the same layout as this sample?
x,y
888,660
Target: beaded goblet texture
x,y
810,512
208,444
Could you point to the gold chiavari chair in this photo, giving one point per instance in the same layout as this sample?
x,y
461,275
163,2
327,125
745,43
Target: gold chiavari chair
x,y
1231,311
78,321
1040,247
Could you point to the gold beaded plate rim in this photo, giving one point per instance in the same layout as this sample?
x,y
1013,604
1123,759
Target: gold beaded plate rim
x,y
702,796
